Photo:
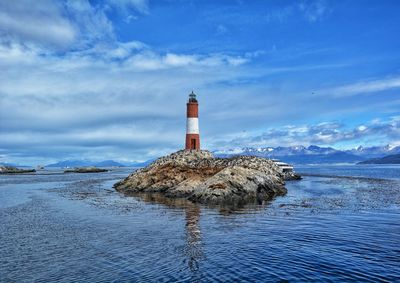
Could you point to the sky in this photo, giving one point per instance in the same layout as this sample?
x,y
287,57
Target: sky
x,y
108,79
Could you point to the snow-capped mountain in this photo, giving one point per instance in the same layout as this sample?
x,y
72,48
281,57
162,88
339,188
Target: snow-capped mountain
x,y
312,154
277,151
375,151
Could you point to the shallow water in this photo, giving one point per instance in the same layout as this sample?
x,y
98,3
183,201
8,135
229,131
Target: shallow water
x,y
76,228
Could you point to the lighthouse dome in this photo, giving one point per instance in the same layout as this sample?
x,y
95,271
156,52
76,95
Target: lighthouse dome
x,y
192,97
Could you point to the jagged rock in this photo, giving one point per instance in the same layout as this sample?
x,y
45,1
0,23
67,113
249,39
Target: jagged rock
x,y
289,176
238,184
200,177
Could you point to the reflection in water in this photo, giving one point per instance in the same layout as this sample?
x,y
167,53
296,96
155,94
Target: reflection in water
x,y
193,248
193,237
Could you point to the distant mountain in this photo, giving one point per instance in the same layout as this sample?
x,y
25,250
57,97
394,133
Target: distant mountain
x,y
8,164
85,163
13,165
313,154
296,154
71,163
140,164
108,163
389,159
292,154
375,151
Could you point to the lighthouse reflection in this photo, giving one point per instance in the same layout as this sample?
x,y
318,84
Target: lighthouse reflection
x,y
193,237
193,246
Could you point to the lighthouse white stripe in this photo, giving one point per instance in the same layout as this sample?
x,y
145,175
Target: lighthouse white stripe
x,y
192,126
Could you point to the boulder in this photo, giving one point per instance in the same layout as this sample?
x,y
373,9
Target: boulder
x,y
289,176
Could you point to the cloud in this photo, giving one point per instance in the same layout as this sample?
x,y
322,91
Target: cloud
x,y
126,6
221,29
42,22
150,60
313,10
127,101
361,88
366,87
123,50
52,24
112,99
92,22
327,133
63,25
310,11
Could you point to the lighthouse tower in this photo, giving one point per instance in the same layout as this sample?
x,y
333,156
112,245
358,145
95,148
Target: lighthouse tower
x,y
192,123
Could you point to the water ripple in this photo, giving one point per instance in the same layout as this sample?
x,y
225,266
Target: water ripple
x,y
77,229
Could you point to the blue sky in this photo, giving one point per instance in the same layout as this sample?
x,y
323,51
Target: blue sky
x,y
109,79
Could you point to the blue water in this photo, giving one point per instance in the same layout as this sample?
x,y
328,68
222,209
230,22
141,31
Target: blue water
x,y
367,170
76,228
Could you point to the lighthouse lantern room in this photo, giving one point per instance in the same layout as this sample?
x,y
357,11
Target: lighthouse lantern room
x,y
192,124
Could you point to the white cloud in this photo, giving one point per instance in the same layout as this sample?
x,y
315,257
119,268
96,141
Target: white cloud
x,y
114,98
123,50
365,87
314,10
92,22
327,133
368,87
56,25
149,60
126,6
309,10
42,22
362,128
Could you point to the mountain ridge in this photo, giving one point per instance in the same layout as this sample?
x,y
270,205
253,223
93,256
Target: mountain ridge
x,y
312,154
388,159
85,163
300,154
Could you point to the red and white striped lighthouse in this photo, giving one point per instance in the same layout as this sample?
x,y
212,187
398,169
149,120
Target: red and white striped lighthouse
x,y
192,123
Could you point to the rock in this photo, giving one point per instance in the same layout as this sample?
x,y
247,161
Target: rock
x,y
290,176
238,184
14,170
85,170
199,177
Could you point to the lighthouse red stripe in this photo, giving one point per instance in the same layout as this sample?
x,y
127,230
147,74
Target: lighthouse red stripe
x,y
192,110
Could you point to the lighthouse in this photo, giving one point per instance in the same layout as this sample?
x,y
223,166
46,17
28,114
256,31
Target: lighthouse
x,y
192,123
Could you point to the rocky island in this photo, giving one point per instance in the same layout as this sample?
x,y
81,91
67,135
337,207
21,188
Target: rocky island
x,y
85,170
14,170
200,177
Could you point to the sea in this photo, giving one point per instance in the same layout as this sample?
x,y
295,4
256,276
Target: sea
x,y
340,223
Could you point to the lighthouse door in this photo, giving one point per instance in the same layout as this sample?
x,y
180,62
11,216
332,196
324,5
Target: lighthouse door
x,y
193,144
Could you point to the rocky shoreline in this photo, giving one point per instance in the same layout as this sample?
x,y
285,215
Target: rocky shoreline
x,y
200,177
